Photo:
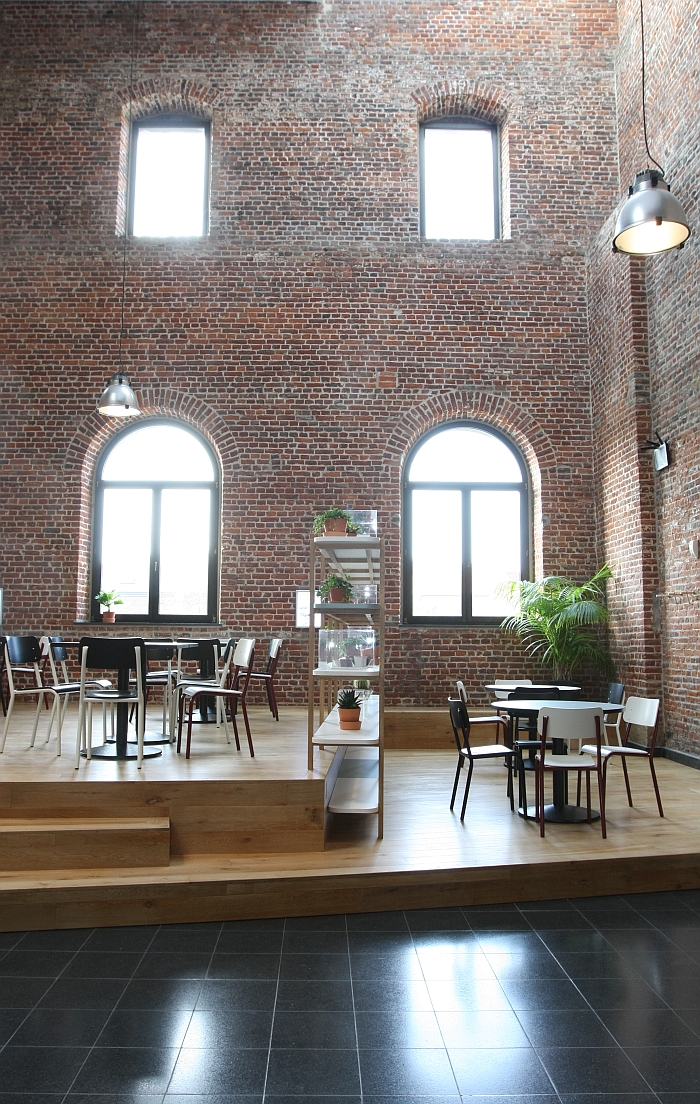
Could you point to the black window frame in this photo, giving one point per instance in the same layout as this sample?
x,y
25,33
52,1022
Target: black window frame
x,y
153,617
169,121
462,122
407,486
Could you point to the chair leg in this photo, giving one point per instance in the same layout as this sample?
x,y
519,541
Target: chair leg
x,y
51,719
272,699
578,789
601,799
656,784
180,719
588,796
541,803
60,714
627,781
247,729
8,715
88,733
509,784
79,732
466,789
39,704
140,730
235,726
189,727
460,764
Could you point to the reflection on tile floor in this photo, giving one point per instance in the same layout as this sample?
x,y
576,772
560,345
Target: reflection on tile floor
x,y
593,1001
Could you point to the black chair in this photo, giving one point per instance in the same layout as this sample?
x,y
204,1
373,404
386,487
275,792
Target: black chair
x,y
123,655
461,725
23,656
616,696
268,675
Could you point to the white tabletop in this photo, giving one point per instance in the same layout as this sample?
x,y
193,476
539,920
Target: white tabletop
x,y
533,705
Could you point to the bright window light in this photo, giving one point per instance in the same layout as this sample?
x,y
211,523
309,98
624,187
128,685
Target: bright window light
x,y
458,183
169,182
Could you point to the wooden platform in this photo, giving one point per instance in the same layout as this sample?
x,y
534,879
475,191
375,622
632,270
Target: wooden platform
x,y
246,836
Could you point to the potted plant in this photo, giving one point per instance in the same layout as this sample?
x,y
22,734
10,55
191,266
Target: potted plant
x,y
353,528
109,598
350,649
349,706
335,588
331,522
554,619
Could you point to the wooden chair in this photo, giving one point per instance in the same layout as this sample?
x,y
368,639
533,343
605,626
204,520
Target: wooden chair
x,y
570,725
268,675
643,712
230,696
125,654
461,725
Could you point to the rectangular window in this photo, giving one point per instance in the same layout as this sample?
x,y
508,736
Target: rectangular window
x,y
183,575
459,180
170,177
436,520
126,546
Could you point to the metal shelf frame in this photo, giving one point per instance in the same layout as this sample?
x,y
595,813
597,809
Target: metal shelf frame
x,y
360,560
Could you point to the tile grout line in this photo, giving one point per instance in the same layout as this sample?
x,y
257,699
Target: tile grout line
x,y
180,1048
354,1011
274,1012
112,1011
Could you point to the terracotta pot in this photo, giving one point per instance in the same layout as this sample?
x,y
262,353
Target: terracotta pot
x,y
349,719
334,527
338,595
109,617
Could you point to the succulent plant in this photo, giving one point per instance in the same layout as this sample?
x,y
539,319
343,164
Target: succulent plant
x,y
348,699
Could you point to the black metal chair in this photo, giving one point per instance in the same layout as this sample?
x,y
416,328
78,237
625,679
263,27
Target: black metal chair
x,y
461,725
268,675
23,657
123,655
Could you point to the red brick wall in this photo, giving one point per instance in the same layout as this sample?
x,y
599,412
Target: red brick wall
x,y
312,336
645,339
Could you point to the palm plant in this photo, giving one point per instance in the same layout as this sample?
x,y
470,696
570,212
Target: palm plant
x,y
554,618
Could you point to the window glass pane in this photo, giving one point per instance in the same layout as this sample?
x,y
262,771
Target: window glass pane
x,y
184,551
437,553
465,455
458,183
159,452
495,532
126,546
169,182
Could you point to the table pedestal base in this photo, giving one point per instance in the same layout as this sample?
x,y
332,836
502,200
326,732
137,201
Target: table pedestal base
x,y
563,814
110,751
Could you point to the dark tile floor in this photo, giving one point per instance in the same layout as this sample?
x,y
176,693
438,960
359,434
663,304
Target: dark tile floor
x,y
592,1001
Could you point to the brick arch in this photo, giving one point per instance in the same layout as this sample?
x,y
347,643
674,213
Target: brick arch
x,y
493,410
464,97
154,97
95,433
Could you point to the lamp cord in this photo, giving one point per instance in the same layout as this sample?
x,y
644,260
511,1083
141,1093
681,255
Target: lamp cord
x,y
134,22
644,96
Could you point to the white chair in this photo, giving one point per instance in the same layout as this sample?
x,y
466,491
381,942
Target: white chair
x,y
128,654
645,713
237,669
570,726
23,656
55,655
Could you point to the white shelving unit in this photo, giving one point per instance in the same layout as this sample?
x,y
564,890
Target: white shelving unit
x,y
357,772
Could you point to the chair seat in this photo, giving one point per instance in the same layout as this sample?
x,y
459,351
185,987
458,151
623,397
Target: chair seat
x,y
111,695
571,762
615,749
213,689
487,751
533,744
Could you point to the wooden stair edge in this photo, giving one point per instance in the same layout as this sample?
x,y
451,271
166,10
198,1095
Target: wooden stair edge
x,y
77,824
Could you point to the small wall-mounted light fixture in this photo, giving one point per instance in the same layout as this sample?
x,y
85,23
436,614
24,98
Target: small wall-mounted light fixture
x,y
694,548
659,450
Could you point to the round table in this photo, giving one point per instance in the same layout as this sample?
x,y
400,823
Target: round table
x,y
559,812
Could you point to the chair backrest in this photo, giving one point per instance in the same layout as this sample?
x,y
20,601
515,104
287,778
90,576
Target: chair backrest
x,y
556,722
159,653
535,693
509,684
112,653
459,719
22,650
461,691
53,652
616,693
273,653
243,652
644,712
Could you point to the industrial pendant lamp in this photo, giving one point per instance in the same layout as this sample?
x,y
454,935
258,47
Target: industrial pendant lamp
x,y
652,220
118,400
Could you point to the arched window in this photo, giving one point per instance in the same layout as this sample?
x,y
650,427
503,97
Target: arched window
x,y
157,523
465,525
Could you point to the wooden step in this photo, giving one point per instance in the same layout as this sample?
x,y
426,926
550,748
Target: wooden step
x,y
409,728
60,843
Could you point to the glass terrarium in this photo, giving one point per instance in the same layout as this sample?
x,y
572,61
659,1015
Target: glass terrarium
x,y
367,520
350,647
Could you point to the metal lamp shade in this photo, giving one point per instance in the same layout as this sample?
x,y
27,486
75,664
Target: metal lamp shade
x,y
652,220
118,400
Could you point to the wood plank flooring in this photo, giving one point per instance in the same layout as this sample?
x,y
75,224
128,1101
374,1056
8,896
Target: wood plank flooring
x,y
427,857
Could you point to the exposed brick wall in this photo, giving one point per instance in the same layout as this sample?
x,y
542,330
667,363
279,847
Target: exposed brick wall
x,y
645,337
312,336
